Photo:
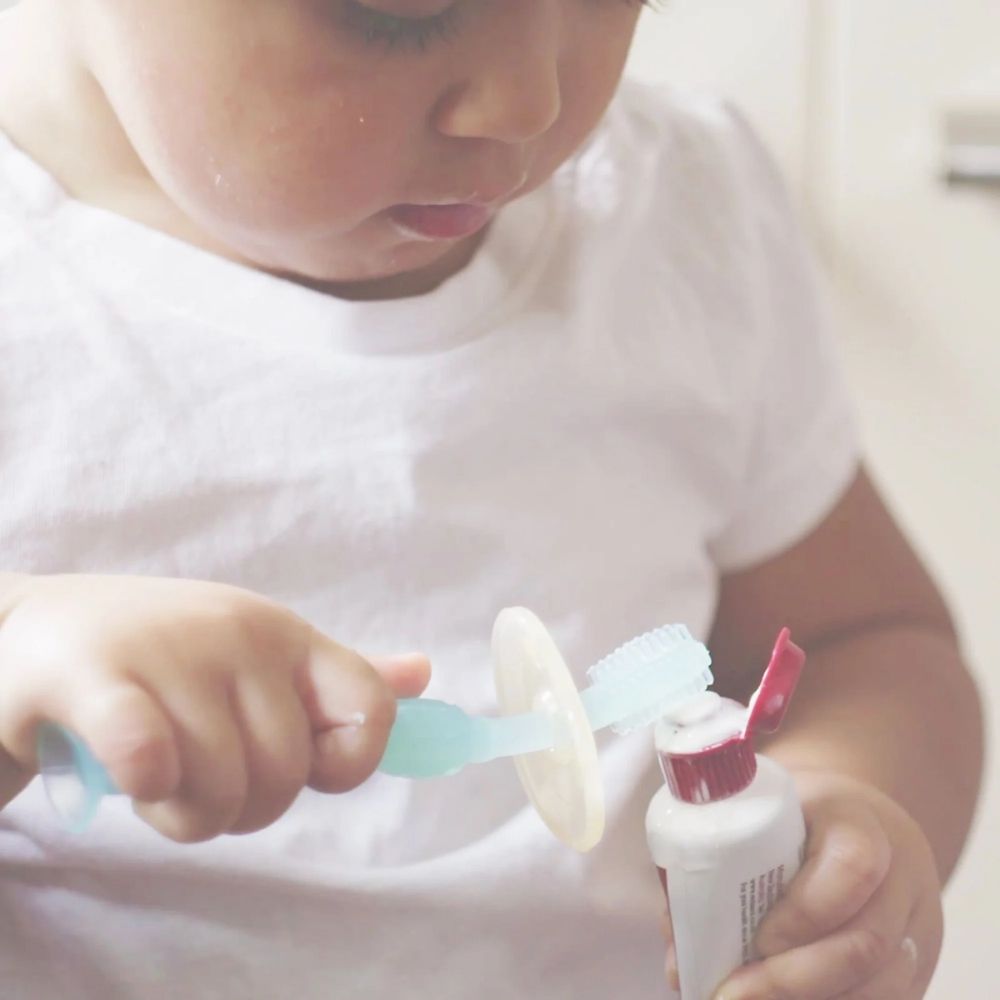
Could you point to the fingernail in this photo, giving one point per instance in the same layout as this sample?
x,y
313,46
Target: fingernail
x,y
738,985
352,721
396,659
342,742
673,979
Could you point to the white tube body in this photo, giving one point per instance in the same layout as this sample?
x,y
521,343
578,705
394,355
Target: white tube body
x,y
726,863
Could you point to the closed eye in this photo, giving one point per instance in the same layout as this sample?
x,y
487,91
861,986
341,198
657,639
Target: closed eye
x,y
393,31
396,31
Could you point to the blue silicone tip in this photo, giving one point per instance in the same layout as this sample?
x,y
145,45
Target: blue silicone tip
x,y
75,781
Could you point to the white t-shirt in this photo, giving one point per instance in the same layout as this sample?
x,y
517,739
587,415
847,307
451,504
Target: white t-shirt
x,y
628,391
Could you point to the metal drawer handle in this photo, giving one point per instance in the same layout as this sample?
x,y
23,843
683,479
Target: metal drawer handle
x,y
972,151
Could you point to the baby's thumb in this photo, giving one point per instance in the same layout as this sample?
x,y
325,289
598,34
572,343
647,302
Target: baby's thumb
x,y
350,701
406,673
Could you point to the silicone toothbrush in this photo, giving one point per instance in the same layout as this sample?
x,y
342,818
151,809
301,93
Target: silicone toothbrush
x,y
547,726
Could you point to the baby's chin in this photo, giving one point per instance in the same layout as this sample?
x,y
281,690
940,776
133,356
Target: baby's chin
x,y
408,269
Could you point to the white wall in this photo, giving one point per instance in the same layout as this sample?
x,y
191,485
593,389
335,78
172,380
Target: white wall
x,y
915,278
750,51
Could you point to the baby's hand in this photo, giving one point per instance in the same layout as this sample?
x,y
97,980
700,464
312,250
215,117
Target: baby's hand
x,y
211,706
862,920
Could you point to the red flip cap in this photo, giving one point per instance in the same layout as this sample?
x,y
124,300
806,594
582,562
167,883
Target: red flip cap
x,y
722,770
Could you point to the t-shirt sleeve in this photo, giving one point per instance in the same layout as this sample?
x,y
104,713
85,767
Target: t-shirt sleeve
x,y
802,444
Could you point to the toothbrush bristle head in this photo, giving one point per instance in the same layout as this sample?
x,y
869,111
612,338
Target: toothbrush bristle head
x,y
652,674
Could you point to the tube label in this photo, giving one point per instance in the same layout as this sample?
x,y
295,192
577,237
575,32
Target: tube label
x,y
757,896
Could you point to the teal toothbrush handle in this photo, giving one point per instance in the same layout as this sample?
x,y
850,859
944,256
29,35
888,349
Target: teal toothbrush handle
x,y
432,739
429,739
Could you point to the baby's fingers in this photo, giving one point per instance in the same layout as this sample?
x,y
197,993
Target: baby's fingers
x,y
407,673
868,947
896,981
213,786
850,856
909,974
130,734
282,751
278,745
350,709
670,962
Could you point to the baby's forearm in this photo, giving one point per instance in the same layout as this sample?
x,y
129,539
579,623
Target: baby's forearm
x,y
11,585
894,707
12,778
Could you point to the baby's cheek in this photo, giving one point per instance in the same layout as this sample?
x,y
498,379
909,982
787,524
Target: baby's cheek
x,y
323,171
253,158
280,181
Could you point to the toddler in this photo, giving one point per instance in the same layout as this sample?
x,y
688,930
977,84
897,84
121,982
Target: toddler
x,y
329,328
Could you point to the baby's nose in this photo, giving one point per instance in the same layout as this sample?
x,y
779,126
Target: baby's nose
x,y
513,94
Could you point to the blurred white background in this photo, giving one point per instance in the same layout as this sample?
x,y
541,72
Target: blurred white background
x,y
852,97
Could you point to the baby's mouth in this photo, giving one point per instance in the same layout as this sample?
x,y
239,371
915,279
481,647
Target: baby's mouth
x,y
441,222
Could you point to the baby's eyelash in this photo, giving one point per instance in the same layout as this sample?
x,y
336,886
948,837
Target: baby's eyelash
x,y
393,31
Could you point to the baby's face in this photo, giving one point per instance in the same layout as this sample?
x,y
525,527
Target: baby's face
x,y
310,136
